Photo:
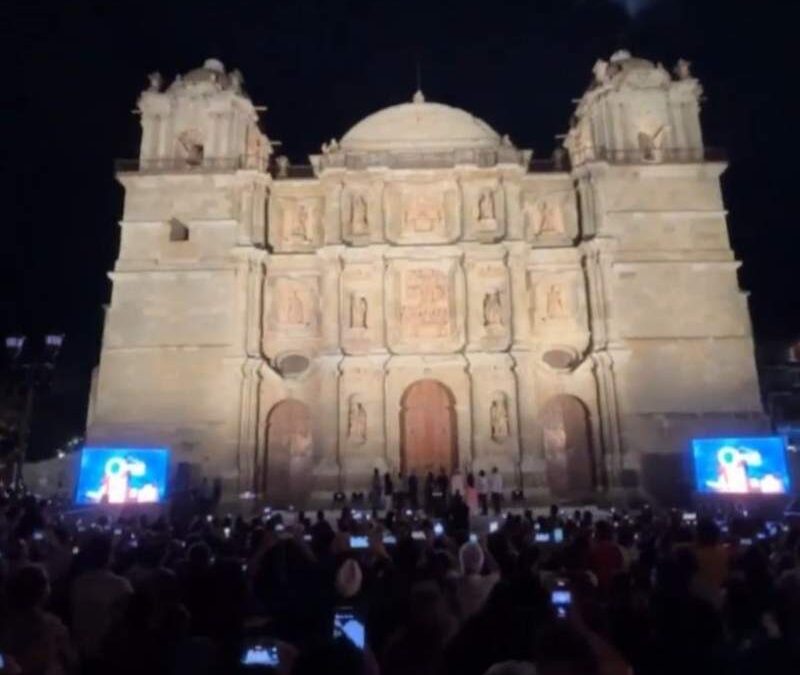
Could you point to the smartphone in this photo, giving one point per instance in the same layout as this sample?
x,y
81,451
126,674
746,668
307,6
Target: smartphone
x,y
346,624
75,550
494,526
117,532
389,539
306,537
473,538
438,529
541,538
689,517
279,527
558,535
561,599
746,542
260,655
359,542
418,535
209,518
227,532
38,535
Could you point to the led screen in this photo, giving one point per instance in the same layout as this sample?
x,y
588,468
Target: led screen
x,y
741,465
122,476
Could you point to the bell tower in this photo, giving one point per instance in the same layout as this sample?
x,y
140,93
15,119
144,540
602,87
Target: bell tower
x,y
671,331
635,111
203,119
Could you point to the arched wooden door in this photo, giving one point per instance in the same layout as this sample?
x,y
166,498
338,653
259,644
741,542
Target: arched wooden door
x,y
286,468
567,447
428,427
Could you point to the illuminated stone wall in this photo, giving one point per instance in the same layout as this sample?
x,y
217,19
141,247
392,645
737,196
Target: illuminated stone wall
x,y
579,322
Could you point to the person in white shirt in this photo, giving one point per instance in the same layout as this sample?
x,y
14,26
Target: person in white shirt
x,y
98,598
457,483
496,487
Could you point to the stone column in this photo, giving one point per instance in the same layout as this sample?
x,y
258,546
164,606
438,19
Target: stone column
x,y
250,454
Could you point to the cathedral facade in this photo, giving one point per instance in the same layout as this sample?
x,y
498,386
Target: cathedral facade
x,y
425,295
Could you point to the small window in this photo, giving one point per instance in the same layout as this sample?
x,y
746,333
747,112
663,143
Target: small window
x,y
178,231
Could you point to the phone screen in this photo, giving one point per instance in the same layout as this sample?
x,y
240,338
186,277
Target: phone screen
x,y
438,529
541,538
418,535
558,535
38,535
493,526
260,655
346,624
358,542
561,599
473,537
389,539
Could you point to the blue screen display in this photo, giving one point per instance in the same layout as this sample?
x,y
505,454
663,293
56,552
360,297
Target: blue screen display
x,y
122,476
741,465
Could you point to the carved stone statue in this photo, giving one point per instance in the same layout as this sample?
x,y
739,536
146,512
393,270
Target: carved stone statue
x,y
358,218
498,415
492,309
155,81
486,207
555,302
358,311
357,422
683,69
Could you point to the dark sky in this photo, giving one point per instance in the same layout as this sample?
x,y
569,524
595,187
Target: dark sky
x,y
78,67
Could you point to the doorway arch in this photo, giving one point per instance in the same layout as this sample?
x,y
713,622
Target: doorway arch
x,y
428,428
284,476
566,439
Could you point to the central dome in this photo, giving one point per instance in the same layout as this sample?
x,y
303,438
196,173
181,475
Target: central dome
x,y
419,126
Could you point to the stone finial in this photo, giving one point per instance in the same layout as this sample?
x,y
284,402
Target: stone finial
x,y
282,162
505,141
683,69
600,71
155,81
418,97
236,80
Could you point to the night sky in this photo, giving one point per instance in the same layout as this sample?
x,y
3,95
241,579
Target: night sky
x,y
78,67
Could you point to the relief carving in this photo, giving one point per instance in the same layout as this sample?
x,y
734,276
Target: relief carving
x,y
300,224
486,213
356,422
359,223
555,308
292,310
423,214
425,304
498,417
358,311
546,218
493,309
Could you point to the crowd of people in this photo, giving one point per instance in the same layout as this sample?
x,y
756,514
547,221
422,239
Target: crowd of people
x,y
397,592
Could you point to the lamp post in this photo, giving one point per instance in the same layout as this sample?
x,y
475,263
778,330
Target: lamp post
x,y
35,373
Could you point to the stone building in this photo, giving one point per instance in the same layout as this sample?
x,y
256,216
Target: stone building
x,y
425,294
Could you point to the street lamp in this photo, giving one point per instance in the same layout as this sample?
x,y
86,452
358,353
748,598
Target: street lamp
x,y
36,372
